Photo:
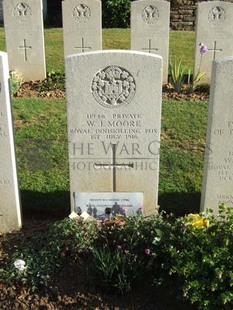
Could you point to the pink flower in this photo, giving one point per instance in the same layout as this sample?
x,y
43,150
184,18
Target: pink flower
x,y
98,223
147,251
203,48
119,246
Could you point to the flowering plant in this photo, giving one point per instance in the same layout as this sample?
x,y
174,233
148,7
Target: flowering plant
x,y
199,258
192,254
20,264
199,75
177,73
124,253
197,221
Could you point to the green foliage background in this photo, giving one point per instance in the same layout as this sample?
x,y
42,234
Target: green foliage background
x,y
116,13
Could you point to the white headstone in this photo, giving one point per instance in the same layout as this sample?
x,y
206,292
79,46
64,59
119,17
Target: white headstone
x,y
24,32
45,10
10,214
218,170
82,26
150,29
114,116
214,28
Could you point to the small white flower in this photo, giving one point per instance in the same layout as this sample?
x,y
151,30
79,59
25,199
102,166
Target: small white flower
x,y
20,264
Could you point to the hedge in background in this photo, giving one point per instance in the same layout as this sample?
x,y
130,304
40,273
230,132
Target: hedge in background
x,y
116,13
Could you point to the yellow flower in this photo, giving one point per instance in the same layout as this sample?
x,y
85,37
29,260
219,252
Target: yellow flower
x,y
197,221
206,223
119,218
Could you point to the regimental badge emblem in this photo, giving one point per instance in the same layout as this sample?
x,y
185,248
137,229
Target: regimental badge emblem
x,y
150,14
82,13
113,87
217,15
22,10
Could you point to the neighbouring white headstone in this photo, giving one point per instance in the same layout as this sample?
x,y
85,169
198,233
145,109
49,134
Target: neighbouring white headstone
x,y
24,32
218,169
45,11
10,213
114,118
82,26
150,29
214,28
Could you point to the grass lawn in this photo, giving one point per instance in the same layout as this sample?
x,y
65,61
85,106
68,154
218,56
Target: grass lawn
x,y
181,45
41,144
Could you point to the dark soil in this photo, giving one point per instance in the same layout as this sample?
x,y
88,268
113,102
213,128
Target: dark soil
x,y
40,89
44,89
73,289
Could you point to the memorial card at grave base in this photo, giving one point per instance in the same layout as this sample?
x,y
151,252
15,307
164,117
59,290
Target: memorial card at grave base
x,y
10,213
214,28
114,117
109,205
24,32
82,26
218,169
150,29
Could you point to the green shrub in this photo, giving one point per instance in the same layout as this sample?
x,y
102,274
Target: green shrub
x,y
177,75
16,81
200,260
125,252
116,13
67,242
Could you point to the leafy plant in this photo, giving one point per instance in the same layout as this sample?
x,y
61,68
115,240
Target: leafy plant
x,y
67,242
177,75
16,81
197,255
123,252
53,81
195,81
193,254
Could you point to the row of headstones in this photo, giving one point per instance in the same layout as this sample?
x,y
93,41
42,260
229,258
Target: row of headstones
x,y
114,138
82,32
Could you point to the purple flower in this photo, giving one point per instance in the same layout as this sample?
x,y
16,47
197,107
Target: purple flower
x,y
147,251
203,48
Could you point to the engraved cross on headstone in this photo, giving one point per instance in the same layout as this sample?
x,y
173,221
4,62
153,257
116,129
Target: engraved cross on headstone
x,y
83,47
150,48
215,49
25,48
114,165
